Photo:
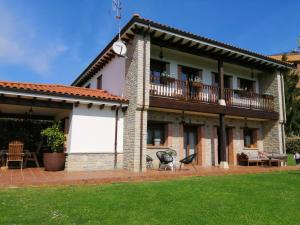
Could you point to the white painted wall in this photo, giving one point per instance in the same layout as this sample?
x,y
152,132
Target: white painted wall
x,y
113,77
207,65
93,130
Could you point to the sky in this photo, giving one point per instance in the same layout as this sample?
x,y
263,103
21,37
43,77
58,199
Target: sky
x,y
53,41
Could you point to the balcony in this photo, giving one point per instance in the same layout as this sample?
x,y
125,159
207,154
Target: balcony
x,y
196,92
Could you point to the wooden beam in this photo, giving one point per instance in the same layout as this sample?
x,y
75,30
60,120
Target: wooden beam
x,y
162,36
35,103
102,106
23,116
76,104
187,44
124,108
113,107
90,105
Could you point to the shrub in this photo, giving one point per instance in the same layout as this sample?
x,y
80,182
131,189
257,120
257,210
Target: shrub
x,y
55,137
292,144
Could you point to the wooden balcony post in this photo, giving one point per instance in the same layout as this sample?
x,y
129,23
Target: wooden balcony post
x,y
221,83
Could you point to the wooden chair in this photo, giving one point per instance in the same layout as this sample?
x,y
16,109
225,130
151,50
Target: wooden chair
x,y
15,152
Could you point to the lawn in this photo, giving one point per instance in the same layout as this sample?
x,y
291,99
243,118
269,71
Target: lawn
x,y
233,199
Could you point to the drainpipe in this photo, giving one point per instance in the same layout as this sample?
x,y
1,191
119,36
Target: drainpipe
x,y
283,111
143,104
116,136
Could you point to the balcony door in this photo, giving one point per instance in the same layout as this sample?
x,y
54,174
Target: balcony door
x,y
191,78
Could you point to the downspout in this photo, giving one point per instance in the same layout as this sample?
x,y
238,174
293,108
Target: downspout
x,y
143,103
283,112
116,136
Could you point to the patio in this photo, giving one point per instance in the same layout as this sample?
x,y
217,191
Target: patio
x,y
39,177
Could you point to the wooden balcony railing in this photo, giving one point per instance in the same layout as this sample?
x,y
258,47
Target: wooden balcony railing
x,y
195,91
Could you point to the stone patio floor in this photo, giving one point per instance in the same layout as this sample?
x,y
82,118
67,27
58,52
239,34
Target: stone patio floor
x,y
39,177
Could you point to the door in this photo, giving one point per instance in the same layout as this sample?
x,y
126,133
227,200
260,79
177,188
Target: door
x,y
190,141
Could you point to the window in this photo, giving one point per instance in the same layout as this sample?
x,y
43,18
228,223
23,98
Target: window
x,y
155,132
99,82
191,74
227,80
246,85
250,138
158,68
88,86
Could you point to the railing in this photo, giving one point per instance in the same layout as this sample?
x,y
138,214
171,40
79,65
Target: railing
x,y
196,91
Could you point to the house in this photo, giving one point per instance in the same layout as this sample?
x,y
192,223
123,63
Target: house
x,y
174,89
291,57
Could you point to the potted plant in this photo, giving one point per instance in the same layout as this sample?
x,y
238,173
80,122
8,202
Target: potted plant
x,y
55,159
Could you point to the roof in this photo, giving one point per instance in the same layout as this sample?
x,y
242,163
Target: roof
x,y
61,90
290,56
107,53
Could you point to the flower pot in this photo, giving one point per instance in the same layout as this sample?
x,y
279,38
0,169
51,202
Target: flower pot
x,y
157,142
54,161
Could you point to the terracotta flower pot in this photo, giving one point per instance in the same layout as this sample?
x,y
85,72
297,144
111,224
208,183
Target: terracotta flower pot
x,y
54,161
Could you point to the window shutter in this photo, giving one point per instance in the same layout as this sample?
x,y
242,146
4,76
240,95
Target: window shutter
x,y
200,74
254,86
179,70
213,79
255,137
238,83
168,68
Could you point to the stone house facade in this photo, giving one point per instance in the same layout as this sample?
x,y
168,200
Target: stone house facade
x,y
191,94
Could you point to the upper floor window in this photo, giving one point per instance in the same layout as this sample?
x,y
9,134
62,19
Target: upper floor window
x,y
191,74
246,85
99,82
159,69
88,86
216,80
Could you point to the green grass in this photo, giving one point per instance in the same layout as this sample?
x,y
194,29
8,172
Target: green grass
x,y
233,199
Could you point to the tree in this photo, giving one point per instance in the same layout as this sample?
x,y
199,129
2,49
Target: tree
x,y
292,102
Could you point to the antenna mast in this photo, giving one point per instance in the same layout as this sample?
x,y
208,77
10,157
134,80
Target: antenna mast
x,y
117,7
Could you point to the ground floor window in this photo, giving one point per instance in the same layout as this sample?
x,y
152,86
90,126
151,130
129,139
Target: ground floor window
x,y
156,134
250,138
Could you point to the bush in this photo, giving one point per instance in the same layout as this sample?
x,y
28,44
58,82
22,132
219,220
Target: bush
x,y
292,145
55,137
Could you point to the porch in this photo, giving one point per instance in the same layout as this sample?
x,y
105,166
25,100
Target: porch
x,y
39,177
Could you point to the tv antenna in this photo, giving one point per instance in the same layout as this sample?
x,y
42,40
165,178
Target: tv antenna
x,y
118,47
298,41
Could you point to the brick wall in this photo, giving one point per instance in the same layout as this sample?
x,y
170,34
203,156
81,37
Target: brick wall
x,y
92,161
137,66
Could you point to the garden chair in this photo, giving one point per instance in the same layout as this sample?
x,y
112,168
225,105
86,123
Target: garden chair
x,y
149,162
15,153
165,159
188,160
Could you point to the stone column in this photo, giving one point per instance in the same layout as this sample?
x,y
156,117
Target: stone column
x,y
272,133
137,79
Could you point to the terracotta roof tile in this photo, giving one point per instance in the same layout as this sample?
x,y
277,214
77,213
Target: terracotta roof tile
x,y
62,90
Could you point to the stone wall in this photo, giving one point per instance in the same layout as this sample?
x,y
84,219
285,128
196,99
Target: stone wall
x,y
93,161
209,145
137,66
269,84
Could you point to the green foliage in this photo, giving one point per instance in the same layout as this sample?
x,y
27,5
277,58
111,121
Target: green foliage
x,y
55,137
292,101
292,145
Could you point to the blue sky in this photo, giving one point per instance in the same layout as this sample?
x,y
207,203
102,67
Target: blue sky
x,y
53,41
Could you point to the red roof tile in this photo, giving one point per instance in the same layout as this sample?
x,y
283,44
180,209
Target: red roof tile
x,y
57,89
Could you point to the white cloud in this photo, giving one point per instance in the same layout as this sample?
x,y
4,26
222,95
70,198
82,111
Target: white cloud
x,y
20,43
